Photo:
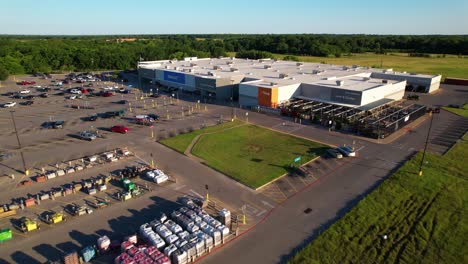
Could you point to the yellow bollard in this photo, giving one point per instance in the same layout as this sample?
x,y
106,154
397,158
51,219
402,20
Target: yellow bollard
x,y
207,197
244,220
420,173
152,163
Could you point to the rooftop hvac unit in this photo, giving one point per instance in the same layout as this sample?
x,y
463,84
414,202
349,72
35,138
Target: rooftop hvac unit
x,y
229,62
315,72
234,70
384,81
249,73
217,67
192,70
413,73
345,68
388,70
211,74
299,63
283,75
193,64
233,58
366,79
273,84
339,82
267,66
275,60
331,78
276,70
355,66
176,68
167,67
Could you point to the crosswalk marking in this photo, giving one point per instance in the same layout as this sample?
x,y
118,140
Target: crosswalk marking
x,y
196,194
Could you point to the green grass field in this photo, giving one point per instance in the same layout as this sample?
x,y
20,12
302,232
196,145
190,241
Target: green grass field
x,y
450,66
459,111
249,154
181,142
425,218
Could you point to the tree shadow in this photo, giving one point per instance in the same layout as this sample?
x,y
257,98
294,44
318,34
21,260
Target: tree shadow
x,y
49,252
20,257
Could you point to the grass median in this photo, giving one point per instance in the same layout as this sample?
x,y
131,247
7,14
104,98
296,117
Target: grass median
x,y
462,111
250,154
423,217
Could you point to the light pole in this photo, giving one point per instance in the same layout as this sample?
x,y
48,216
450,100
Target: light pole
x,y
425,145
26,171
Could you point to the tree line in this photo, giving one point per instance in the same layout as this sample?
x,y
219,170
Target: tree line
x,y
30,54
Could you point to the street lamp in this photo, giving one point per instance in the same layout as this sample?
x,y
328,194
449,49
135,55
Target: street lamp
x,y
26,171
425,146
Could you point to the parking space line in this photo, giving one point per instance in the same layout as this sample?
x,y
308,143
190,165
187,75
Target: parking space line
x,y
179,187
196,194
261,213
289,182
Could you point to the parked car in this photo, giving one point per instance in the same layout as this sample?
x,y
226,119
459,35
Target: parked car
x,y
29,97
9,104
121,102
25,91
44,95
27,102
154,116
53,124
347,151
107,94
334,153
92,118
120,129
75,91
72,97
86,135
26,83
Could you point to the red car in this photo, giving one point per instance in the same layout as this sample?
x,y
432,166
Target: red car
x,y
119,129
27,83
84,90
107,94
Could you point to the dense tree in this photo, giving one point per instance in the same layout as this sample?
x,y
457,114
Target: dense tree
x,y
28,54
3,73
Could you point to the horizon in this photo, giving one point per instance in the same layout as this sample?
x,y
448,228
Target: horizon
x,y
183,17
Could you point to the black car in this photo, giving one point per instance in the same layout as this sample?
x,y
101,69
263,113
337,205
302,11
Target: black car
x,y
92,118
18,96
44,95
27,103
154,116
29,97
53,124
60,93
122,102
156,95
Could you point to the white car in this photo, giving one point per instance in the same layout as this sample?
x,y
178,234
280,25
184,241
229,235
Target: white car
x,y
75,91
24,91
108,88
72,97
9,104
37,86
58,84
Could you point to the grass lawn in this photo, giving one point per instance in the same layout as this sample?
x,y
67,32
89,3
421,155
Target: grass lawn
x,y
254,155
459,111
425,218
450,66
181,142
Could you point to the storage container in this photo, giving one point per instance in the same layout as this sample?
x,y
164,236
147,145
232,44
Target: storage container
x,y
40,178
29,202
225,216
103,242
179,257
60,172
88,253
169,249
44,196
102,187
51,175
70,170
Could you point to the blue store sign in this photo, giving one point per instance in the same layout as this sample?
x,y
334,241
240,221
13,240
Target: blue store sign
x,y
174,77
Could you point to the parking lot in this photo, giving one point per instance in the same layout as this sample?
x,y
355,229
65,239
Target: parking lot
x,y
44,149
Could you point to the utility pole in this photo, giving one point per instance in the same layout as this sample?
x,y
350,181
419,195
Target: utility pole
x,y
25,170
425,145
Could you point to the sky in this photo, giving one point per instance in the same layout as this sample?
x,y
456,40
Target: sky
x,y
101,17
